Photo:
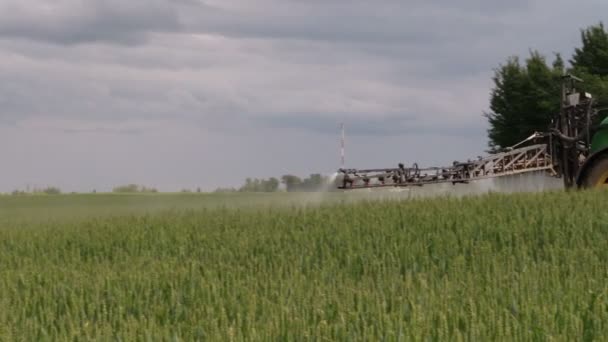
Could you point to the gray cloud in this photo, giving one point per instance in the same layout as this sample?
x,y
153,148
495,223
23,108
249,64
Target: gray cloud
x,y
328,125
73,21
169,91
383,126
128,22
101,130
420,23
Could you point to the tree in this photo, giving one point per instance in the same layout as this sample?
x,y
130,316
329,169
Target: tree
x,y
223,190
133,188
248,187
292,183
525,97
315,182
126,188
260,185
523,100
271,185
590,62
592,57
51,190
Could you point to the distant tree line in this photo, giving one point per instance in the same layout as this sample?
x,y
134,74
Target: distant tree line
x,y
260,185
291,183
316,182
50,190
187,191
133,188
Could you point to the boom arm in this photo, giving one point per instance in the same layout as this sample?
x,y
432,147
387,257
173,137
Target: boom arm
x,y
516,161
571,130
560,152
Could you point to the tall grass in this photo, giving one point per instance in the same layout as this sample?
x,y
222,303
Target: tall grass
x,y
498,267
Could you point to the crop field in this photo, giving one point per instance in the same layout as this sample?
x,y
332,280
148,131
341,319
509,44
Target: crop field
x,y
255,267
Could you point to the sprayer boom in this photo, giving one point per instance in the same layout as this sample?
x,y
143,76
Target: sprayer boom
x,y
565,151
521,160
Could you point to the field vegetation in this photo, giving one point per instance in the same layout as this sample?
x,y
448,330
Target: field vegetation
x,y
237,267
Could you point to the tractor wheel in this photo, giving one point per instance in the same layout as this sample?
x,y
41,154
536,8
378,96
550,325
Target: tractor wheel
x,y
597,174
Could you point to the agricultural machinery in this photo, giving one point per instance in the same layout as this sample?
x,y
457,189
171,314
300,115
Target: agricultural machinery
x,y
574,148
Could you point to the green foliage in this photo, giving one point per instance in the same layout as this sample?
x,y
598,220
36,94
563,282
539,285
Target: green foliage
x,y
524,100
260,185
225,190
133,188
313,183
526,97
51,190
499,267
291,182
590,62
592,56
316,182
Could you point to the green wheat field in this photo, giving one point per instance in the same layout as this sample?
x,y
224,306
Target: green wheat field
x,y
279,267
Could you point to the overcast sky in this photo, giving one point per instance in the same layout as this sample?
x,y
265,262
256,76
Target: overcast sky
x,y
187,93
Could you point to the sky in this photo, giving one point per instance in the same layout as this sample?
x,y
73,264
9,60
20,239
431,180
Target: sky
x,y
179,94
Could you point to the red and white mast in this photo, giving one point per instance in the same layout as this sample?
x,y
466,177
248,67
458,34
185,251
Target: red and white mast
x,y
342,146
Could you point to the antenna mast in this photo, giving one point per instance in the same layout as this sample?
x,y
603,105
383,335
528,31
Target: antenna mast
x,y
342,146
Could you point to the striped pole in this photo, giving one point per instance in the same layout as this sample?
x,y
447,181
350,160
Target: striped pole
x,y
342,146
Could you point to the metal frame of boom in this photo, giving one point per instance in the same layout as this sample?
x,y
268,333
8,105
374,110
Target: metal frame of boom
x,y
521,160
571,130
561,153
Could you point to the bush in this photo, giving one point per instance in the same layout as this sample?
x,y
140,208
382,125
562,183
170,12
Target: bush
x,y
133,188
51,190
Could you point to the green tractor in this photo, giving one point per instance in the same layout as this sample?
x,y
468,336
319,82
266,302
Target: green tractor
x,y
594,170
579,145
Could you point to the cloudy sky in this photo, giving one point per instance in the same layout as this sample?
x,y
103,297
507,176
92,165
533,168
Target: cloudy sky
x,y
187,93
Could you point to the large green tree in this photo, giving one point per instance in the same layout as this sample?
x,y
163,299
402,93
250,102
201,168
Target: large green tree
x,y
523,100
592,56
590,62
526,96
